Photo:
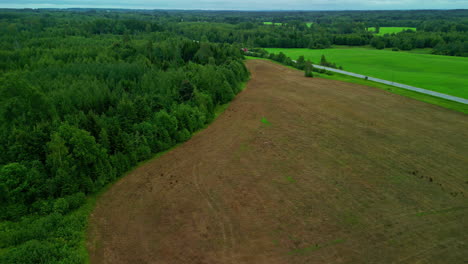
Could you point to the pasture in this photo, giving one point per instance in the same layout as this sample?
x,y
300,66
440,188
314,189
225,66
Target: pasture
x,y
442,74
271,23
390,30
309,24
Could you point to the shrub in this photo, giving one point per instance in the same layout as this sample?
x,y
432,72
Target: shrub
x,y
183,135
76,200
61,206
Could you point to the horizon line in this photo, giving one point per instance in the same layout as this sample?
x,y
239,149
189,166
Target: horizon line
x,y
228,10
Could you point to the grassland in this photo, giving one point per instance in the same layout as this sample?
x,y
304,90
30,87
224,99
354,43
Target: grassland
x,y
442,74
271,23
280,24
390,30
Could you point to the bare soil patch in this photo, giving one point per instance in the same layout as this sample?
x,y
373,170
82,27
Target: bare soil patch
x,y
338,173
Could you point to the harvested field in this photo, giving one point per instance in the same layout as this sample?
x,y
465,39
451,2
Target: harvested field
x,y
298,170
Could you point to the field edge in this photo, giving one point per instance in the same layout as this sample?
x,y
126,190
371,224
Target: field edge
x,y
459,107
92,200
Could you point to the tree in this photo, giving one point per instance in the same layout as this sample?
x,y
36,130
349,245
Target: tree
x,y
58,152
300,62
149,50
323,60
166,129
308,69
225,93
281,57
203,54
378,43
13,179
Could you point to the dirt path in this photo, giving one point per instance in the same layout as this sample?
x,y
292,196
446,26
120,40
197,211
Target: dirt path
x,y
342,174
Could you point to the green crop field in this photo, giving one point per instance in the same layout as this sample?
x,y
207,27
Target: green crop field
x,y
442,74
390,30
270,23
280,24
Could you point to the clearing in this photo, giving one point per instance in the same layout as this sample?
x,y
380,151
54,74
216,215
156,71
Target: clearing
x,y
390,30
309,24
271,23
298,170
443,74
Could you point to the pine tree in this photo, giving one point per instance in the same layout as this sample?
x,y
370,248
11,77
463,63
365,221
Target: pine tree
x,y
323,60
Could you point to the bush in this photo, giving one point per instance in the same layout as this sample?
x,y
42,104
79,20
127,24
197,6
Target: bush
x,y
33,251
43,207
308,69
76,200
61,206
183,135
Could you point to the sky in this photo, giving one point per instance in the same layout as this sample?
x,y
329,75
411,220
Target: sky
x,y
242,4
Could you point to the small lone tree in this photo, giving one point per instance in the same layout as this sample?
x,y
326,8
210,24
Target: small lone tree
x,y
323,60
301,63
281,57
308,68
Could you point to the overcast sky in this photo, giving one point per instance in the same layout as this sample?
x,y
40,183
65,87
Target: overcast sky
x,y
242,4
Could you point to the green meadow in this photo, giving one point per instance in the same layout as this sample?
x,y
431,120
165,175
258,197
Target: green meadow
x,y
442,74
390,30
271,23
280,24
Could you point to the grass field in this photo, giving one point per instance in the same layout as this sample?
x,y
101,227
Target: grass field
x,y
390,30
271,23
442,74
298,170
279,24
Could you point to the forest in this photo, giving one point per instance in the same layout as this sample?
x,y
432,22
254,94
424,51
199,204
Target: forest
x,y
445,32
85,95
79,110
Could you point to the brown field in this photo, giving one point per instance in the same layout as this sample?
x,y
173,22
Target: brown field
x,y
343,173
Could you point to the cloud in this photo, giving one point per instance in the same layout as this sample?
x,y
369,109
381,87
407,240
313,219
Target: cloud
x,y
242,4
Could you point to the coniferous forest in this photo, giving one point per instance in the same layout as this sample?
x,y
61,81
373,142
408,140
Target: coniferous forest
x,y
87,94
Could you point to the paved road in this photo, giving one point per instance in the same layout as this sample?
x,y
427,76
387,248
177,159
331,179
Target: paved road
x,y
404,86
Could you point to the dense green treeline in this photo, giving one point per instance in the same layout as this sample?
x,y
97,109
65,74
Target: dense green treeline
x,y
298,35
444,31
77,112
300,63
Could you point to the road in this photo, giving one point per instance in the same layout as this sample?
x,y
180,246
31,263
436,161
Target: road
x,y
399,85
